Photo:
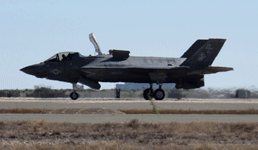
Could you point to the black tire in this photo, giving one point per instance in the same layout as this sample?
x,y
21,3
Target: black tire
x,y
74,96
159,94
147,94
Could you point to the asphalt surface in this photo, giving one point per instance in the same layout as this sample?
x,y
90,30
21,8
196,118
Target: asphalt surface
x,y
122,118
185,104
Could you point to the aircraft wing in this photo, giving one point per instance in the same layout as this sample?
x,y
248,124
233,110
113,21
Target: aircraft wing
x,y
155,73
210,69
137,68
165,69
181,71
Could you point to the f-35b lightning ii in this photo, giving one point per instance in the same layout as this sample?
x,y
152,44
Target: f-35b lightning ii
x,y
186,72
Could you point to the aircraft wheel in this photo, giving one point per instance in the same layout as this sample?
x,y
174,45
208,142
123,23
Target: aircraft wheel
x,y
147,94
159,94
74,95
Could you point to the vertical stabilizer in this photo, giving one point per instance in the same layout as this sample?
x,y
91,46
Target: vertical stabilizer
x,y
195,47
95,43
205,55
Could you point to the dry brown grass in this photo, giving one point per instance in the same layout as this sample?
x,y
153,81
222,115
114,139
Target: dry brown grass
x,y
24,111
121,111
131,135
119,145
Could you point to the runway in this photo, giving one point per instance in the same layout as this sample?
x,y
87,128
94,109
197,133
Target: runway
x,y
185,104
123,118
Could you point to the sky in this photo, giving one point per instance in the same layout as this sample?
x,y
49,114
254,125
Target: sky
x,y
32,31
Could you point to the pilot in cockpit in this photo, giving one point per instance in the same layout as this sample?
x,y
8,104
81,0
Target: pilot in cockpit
x,y
64,57
69,56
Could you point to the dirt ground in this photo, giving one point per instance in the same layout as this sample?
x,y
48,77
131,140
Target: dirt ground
x,y
132,134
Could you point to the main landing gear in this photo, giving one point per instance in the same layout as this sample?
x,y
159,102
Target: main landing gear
x,y
74,95
158,94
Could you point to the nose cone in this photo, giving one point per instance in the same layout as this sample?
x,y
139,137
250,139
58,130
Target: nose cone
x,y
36,70
29,70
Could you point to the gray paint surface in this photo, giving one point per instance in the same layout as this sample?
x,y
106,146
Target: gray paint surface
x,y
242,104
145,118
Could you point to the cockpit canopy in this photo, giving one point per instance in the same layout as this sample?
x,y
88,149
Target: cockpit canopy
x,y
64,56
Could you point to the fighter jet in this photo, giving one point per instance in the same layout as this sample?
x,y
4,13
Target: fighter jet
x,y
186,72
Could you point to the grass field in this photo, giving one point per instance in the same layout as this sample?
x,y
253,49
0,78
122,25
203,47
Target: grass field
x,y
132,135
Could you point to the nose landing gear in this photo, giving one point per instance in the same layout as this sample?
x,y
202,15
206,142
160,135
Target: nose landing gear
x,y
158,94
74,95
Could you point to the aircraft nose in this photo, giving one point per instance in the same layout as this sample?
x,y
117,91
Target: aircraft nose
x,y
35,70
29,69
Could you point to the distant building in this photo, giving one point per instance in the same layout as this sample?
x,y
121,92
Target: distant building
x,y
143,85
242,93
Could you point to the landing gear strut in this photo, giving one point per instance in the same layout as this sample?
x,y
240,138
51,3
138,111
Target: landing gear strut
x,y
158,94
74,95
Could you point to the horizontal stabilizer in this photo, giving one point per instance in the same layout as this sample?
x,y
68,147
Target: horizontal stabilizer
x,y
210,70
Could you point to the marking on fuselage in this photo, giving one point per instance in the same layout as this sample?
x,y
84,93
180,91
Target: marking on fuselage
x,y
56,71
